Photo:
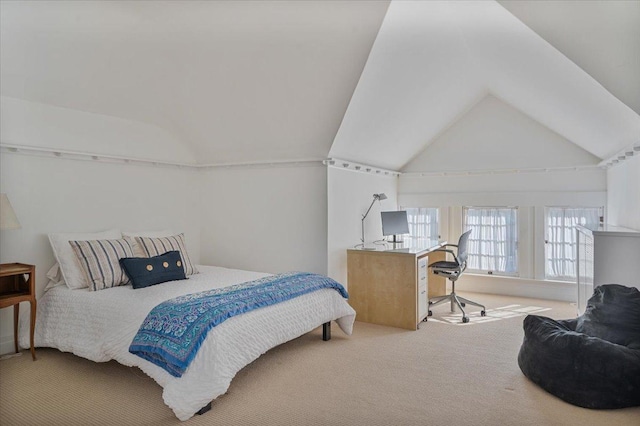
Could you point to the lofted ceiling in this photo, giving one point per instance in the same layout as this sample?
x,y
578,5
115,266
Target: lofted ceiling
x,y
600,36
256,81
432,61
235,81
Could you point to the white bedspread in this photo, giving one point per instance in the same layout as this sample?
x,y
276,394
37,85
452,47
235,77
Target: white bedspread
x,y
100,326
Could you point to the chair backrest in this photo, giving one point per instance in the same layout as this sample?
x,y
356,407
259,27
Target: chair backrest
x,y
462,247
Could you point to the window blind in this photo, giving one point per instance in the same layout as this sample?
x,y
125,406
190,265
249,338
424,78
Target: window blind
x,y
493,243
560,238
423,225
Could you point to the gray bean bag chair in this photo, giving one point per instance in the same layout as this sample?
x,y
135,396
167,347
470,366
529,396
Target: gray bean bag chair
x,y
592,361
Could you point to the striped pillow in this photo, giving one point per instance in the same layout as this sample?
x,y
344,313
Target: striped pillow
x,y
161,245
100,261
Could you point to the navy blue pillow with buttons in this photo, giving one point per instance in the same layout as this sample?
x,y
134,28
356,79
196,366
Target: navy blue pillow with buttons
x,y
148,271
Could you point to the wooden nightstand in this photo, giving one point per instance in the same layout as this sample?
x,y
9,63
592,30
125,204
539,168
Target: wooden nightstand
x,y
14,288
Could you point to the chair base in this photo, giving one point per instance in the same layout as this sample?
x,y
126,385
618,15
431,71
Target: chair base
x,y
461,302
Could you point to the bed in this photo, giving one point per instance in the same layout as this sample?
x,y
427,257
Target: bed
x,y
100,326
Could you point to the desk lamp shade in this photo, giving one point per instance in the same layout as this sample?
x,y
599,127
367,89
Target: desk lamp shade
x,y
8,219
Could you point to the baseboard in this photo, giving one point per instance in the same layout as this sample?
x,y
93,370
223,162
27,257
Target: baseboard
x,y
522,287
6,345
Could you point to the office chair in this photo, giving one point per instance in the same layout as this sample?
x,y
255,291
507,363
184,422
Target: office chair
x,y
452,271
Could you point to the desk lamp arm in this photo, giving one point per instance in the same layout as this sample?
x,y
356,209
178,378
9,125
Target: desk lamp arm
x,y
376,197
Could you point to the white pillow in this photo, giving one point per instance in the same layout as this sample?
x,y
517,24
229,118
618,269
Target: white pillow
x,y
72,272
160,245
137,250
55,277
100,259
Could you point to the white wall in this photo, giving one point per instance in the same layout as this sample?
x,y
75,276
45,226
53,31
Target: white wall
x,y
531,193
350,194
58,194
495,138
62,195
265,219
552,182
494,135
623,193
47,126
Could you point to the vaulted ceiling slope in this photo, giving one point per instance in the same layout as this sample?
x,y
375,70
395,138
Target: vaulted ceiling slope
x,y
601,36
234,81
245,81
495,136
433,61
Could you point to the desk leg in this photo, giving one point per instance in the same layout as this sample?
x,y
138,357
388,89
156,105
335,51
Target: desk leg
x,y
32,326
16,315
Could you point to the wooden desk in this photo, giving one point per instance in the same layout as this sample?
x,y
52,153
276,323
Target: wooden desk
x,y
392,287
14,288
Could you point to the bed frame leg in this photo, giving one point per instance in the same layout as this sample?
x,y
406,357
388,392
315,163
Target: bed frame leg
x,y
204,409
326,331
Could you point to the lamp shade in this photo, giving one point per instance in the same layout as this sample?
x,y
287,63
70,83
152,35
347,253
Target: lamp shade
x,y
381,196
8,219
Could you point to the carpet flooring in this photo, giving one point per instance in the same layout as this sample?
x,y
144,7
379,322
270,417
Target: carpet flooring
x,y
438,375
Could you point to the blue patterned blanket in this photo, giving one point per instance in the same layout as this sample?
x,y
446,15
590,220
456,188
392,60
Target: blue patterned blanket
x,y
174,330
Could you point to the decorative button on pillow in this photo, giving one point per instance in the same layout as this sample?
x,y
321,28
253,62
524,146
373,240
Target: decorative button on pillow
x,y
99,260
148,271
156,246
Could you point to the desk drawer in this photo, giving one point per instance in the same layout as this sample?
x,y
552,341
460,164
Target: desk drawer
x,y
422,302
422,269
422,280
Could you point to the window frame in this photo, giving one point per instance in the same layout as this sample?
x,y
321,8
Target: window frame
x,y
516,227
546,244
415,241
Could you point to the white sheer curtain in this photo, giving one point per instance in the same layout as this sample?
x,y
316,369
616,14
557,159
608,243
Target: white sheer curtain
x,y
493,243
423,225
560,238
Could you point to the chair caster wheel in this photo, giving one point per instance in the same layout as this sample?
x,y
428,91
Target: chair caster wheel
x,y
483,313
465,319
463,304
429,314
425,319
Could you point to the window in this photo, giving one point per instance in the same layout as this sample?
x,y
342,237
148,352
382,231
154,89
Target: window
x,y
560,238
423,225
493,243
